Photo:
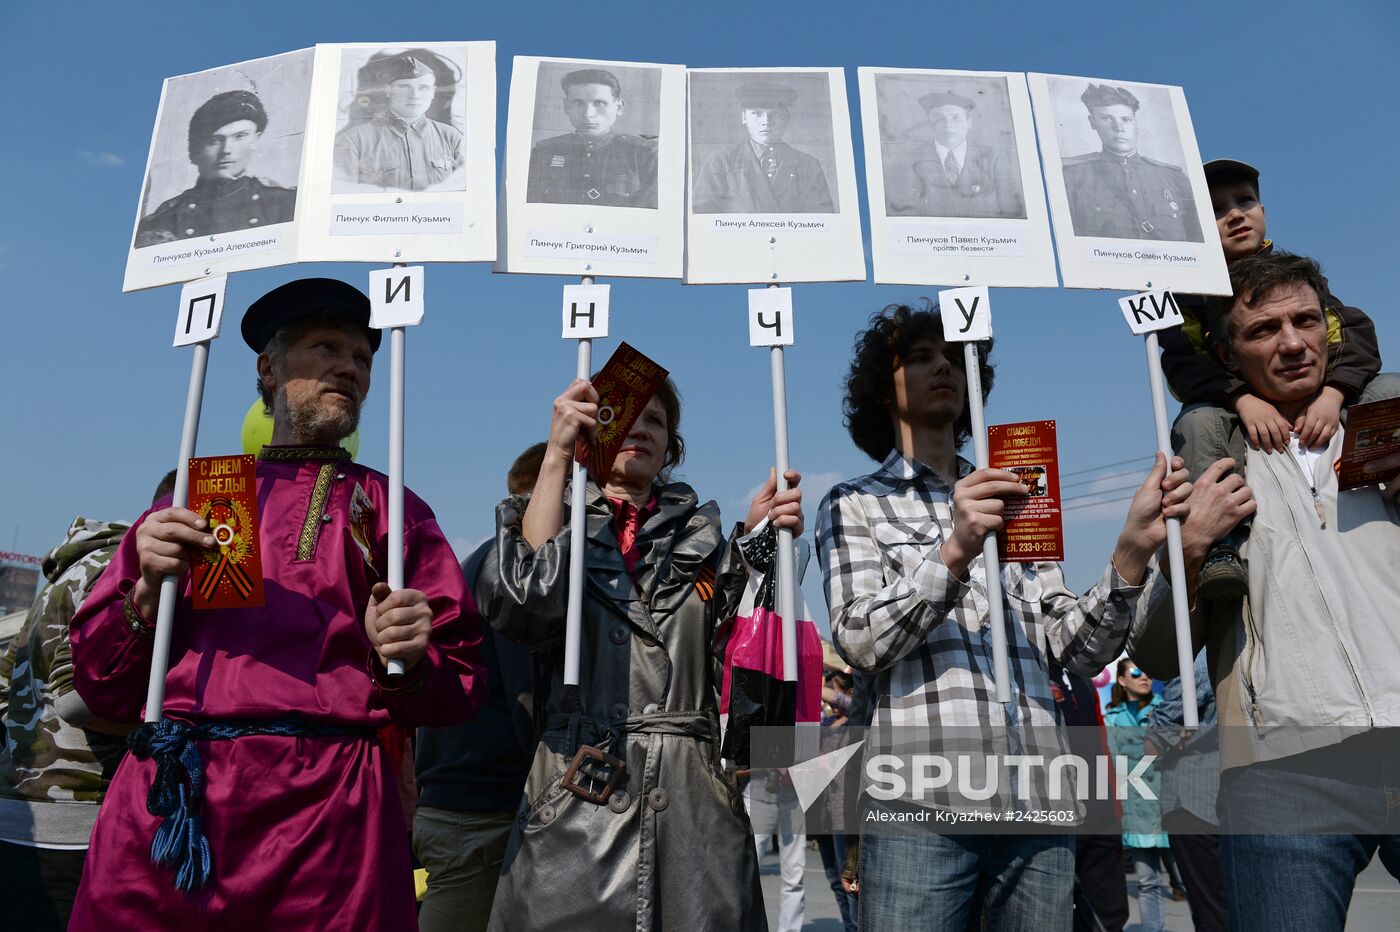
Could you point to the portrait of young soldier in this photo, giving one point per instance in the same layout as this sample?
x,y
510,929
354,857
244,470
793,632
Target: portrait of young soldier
x,y
949,169
594,164
1119,193
762,174
224,134
400,147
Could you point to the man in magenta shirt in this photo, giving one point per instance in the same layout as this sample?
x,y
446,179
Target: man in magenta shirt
x,y
263,799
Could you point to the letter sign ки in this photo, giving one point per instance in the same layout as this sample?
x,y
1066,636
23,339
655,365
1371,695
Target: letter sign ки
x,y
1149,311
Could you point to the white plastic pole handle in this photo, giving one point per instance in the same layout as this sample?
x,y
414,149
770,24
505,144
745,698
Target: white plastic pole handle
x,y
991,561
578,538
1181,611
169,586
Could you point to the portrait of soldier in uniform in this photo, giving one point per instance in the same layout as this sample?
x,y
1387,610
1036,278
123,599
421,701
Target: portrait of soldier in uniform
x,y
223,138
762,174
404,139
945,162
594,164
1119,193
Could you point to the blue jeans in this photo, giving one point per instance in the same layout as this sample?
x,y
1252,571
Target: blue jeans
x,y
1152,887
1297,881
1305,881
833,852
924,883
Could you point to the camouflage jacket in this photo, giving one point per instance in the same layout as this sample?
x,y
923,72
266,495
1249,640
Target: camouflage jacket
x,y
46,757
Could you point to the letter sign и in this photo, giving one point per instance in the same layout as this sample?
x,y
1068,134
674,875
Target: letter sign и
x,y
396,297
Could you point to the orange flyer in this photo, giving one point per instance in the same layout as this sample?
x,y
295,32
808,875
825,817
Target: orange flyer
x,y
223,491
1034,531
625,385
1372,433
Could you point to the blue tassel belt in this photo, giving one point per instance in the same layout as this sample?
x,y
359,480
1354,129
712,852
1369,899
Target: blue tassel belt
x,y
178,790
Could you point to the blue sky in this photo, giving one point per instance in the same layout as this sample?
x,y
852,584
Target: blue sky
x,y
92,392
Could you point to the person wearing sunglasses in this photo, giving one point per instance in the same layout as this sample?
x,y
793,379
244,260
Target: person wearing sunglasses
x,y
1126,717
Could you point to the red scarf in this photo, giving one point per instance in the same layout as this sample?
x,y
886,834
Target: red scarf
x,y
627,521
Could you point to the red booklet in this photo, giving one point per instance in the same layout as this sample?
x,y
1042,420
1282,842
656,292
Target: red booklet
x,y
1034,529
625,385
223,491
1372,433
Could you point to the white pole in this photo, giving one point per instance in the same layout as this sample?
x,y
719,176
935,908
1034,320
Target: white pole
x,y
991,562
397,339
787,570
578,536
1181,612
169,585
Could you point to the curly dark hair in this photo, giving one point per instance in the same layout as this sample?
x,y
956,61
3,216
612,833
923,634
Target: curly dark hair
x,y
870,382
1254,279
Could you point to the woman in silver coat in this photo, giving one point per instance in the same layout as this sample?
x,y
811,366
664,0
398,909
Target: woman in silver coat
x,y
628,821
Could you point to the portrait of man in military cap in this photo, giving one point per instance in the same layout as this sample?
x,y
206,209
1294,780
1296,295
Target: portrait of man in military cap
x,y
948,147
760,173
608,156
1118,191
401,122
227,150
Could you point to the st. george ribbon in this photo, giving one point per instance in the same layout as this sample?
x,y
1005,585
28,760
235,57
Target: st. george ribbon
x,y
582,325
197,324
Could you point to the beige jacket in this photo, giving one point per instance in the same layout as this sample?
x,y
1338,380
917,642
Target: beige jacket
x,y
1309,658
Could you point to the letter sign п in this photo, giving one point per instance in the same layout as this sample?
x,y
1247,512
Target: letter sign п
x,y
201,310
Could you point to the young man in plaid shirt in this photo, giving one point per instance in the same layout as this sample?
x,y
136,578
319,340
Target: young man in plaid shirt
x,y
901,553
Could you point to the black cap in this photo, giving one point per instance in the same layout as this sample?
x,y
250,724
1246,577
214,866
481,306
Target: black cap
x,y
223,109
945,98
764,95
1102,95
306,297
1221,170
401,68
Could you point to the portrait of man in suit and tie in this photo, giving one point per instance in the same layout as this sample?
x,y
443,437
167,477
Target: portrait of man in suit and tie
x,y
948,147
1130,185
761,172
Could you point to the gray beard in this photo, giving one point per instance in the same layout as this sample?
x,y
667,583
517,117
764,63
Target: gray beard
x,y
314,425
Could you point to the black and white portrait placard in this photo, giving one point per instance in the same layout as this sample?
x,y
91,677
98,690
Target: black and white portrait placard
x,y
1126,189
953,179
222,185
594,136
772,194
401,120
401,162
595,156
